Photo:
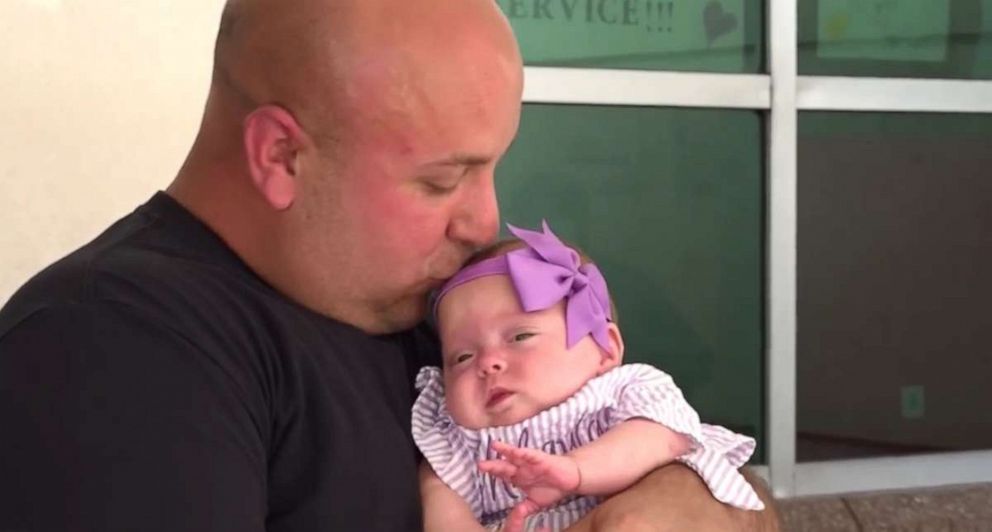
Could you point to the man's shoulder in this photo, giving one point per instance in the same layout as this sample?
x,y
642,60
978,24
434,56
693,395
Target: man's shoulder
x,y
148,288
139,263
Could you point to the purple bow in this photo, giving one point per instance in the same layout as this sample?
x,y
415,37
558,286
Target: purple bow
x,y
543,274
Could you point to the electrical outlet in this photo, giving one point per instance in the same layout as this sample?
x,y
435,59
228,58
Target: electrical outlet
x,y
913,402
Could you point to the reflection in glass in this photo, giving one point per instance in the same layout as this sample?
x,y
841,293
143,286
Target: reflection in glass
x,y
896,38
894,284
669,204
705,35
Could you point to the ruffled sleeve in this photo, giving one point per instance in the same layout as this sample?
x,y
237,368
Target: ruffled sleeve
x,y
646,392
441,441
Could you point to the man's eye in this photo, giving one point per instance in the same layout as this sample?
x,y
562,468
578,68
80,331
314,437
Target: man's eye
x,y
439,188
520,337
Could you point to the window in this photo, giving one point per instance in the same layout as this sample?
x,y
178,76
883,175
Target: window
x,y
895,250
901,38
712,36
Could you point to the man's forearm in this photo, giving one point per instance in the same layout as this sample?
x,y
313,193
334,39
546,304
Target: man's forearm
x,y
674,499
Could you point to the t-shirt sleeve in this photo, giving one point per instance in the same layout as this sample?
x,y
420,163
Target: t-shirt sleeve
x,y
442,442
113,423
643,391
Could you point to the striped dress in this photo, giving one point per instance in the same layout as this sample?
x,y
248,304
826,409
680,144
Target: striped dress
x,y
629,391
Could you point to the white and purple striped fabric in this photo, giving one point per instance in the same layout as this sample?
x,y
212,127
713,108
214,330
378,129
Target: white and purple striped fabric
x,y
629,391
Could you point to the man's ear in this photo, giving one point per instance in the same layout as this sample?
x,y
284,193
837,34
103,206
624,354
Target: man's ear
x,y
613,356
273,140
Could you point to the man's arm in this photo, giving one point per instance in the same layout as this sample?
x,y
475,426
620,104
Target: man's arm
x,y
674,499
112,423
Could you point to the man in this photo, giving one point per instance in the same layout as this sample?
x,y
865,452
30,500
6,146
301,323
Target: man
x,y
237,354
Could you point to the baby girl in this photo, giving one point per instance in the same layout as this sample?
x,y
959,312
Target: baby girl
x,y
532,419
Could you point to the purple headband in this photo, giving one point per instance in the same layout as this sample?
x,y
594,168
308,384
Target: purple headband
x,y
544,273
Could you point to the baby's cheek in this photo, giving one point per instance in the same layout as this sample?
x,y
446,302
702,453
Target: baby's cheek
x,y
463,404
456,400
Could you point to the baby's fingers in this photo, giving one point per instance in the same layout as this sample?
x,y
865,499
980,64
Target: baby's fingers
x,y
519,455
502,447
499,468
523,457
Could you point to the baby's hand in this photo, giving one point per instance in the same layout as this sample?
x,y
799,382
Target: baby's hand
x,y
544,478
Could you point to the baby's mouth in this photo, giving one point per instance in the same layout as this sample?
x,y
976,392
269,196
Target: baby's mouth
x,y
497,396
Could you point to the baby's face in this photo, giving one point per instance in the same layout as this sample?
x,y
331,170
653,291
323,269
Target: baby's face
x,y
503,365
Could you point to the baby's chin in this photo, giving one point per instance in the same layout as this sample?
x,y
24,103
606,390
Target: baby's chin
x,y
507,420
511,415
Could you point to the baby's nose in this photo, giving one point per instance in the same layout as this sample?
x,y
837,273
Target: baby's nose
x,y
491,363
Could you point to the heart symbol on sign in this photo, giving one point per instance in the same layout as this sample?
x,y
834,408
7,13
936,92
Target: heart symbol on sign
x,y
717,22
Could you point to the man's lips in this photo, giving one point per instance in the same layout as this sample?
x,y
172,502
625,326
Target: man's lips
x,y
496,396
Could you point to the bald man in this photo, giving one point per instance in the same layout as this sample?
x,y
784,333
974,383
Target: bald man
x,y
237,354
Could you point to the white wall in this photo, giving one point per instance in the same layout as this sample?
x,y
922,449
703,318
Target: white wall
x,y
99,101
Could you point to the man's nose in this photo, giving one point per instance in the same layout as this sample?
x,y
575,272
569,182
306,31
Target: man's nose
x,y
476,221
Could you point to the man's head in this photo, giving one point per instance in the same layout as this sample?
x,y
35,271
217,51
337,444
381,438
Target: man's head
x,y
353,143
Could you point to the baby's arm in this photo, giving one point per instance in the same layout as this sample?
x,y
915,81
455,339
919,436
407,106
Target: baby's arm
x,y
615,461
624,454
443,508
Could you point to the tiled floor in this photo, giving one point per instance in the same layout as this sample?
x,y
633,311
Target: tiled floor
x,y
949,509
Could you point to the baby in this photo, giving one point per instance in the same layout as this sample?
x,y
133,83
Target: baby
x,y
532,419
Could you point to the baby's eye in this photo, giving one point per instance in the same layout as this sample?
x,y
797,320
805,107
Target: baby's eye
x,y
462,357
520,337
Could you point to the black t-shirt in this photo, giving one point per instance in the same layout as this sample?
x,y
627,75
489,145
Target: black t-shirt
x,y
151,381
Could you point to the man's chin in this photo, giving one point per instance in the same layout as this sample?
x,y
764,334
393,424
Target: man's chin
x,y
403,315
